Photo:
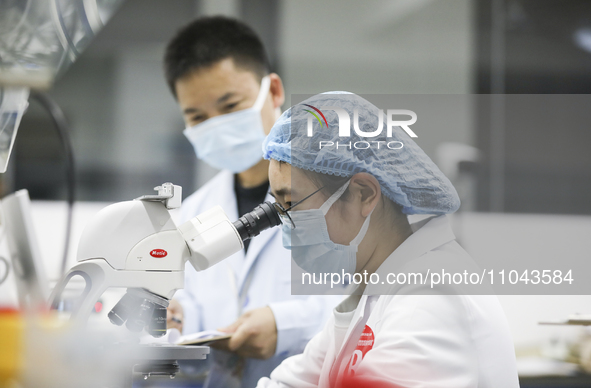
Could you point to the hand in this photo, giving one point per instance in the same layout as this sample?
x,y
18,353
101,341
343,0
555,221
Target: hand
x,y
254,335
174,315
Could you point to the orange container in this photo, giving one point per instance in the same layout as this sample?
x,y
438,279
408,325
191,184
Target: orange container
x,y
11,345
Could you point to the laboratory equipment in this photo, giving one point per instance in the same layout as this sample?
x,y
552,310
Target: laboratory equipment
x,y
29,272
40,39
136,245
13,103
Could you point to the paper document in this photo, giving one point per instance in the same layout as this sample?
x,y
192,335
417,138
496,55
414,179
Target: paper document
x,y
573,319
174,337
202,337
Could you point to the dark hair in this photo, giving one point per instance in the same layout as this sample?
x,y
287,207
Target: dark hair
x,y
208,40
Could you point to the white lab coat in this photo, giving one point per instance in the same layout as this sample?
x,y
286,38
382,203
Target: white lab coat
x,y
210,298
434,341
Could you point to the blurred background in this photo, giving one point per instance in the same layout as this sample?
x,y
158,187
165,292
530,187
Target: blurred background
x,y
127,131
524,178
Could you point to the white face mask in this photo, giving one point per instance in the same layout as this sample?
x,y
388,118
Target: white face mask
x,y
232,141
311,246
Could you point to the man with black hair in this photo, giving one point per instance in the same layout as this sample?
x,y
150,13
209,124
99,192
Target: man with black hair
x,y
218,72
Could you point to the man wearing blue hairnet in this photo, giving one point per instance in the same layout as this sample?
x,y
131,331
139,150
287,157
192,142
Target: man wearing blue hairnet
x,y
345,181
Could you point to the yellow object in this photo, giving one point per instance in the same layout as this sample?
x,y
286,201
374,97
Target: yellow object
x,y
11,345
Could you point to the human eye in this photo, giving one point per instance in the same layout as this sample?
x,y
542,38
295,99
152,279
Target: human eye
x,y
197,119
231,107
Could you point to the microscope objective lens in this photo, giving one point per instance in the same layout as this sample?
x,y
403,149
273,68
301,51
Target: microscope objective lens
x,y
157,326
119,314
142,316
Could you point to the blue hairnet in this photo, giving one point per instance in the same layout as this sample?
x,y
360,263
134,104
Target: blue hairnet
x,y
407,176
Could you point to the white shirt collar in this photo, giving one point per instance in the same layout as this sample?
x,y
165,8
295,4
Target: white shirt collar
x,y
428,234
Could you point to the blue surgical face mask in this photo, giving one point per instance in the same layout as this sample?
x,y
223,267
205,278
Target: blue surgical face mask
x,y
232,141
311,246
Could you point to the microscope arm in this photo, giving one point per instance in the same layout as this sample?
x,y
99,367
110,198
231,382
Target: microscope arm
x,y
99,276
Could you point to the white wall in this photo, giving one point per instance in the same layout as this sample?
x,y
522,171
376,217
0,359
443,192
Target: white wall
x,y
377,46
520,237
382,47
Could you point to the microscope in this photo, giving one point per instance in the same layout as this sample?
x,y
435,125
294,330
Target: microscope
x,y
136,245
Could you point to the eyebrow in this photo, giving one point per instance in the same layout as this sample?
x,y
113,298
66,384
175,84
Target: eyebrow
x,y
189,111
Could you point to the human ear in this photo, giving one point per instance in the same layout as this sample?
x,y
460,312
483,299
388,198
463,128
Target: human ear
x,y
276,90
367,189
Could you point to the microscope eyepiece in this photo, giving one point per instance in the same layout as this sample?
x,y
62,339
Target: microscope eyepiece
x,y
263,217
